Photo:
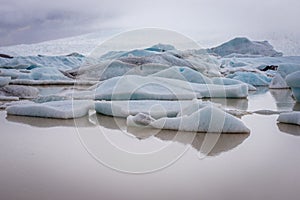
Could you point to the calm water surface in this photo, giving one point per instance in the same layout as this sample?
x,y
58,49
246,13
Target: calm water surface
x,y
48,159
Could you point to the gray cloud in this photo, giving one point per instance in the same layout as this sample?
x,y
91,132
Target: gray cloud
x,y
31,21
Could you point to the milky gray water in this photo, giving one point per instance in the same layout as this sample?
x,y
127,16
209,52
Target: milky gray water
x,y
47,158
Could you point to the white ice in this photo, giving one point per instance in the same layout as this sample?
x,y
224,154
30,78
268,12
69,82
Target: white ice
x,y
156,109
293,80
184,74
56,109
290,118
244,46
206,119
158,88
19,91
4,81
228,81
278,82
251,78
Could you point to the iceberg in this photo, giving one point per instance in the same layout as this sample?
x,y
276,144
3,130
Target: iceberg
x,y
251,78
286,69
24,92
293,80
229,81
290,118
156,109
278,82
206,119
8,98
67,109
243,46
132,87
184,74
4,81
47,73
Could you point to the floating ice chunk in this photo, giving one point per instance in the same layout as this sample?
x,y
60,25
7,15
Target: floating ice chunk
x,y
156,109
49,98
278,82
207,65
185,74
47,73
109,69
52,82
293,80
13,73
251,78
161,47
207,119
8,98
4,81
290,117
158,88
286,69
228,81
246,47
15,102
160,58
56,109
19,91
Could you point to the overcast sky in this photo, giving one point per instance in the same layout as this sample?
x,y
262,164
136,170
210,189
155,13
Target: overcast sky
x,y
30,21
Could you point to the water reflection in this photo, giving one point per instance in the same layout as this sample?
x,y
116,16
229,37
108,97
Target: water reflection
x,y
225,143
49,122
289,129
283,99
240,104
259,91
296,107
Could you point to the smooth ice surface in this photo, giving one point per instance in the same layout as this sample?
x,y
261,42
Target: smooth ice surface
x,y
206,119
4,81
251,78
158,88
156,109
56,109
290,118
